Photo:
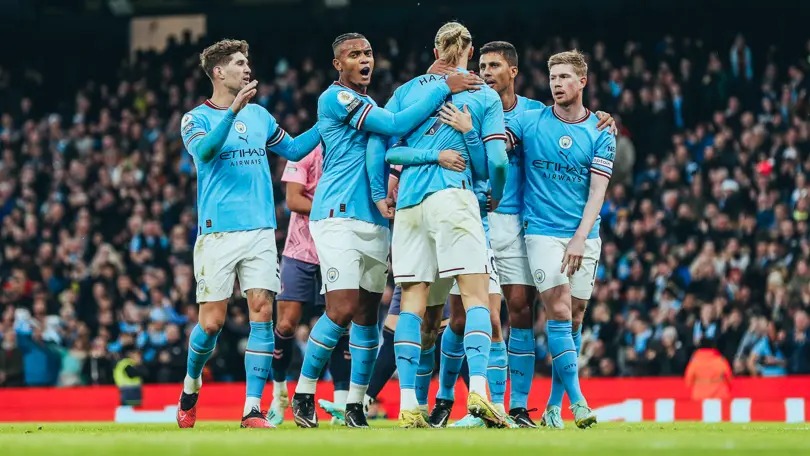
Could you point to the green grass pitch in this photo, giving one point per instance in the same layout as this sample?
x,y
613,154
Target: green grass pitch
x,y
221,439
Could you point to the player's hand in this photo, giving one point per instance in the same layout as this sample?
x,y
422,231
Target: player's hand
x,y
441,67
244,96
573,255
386,207
461,121
452,160
606,121
492,204
459,82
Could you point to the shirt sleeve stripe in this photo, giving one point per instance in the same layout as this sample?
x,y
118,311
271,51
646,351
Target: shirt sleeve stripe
x,y
493,137
600,172
275,133
363,116
195,135
277,139
511,136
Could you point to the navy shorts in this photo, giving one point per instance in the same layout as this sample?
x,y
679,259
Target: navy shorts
x,y
300,282
393,309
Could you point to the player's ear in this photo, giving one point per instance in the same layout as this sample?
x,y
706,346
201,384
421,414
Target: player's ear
x,y
436,53
513,70
337,65
471,53
217,71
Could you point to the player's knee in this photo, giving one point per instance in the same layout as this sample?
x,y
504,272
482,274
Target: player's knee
x,y
286,327
212,324
341,316
391,322
520,316
457,323
342,313
558,310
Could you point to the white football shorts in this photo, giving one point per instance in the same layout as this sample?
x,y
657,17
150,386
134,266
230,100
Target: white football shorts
x,y
353,254
545,258
509,246
441,237
219,258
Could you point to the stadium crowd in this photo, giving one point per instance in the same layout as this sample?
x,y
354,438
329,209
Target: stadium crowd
x,y
705,227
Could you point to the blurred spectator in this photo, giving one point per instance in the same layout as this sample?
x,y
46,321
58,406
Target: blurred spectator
x,y
11,361
767,358
708,373
98,366
797,347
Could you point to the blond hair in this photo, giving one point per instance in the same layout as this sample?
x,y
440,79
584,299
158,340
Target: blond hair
x,y
220,53
451,40
574,58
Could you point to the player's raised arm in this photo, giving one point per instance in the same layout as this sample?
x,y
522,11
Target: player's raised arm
x,y
382,121
291,148
203,143
601,170
494,137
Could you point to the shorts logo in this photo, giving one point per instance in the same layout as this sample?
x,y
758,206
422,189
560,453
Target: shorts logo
x,y
201,286
239,126
539,276
332,274
566,142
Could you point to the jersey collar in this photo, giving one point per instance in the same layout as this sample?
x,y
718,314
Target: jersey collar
x,y
514,105
338,83
583,119
211,104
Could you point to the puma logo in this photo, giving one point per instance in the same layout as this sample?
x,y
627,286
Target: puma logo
x,y
478,348
244,138
410,360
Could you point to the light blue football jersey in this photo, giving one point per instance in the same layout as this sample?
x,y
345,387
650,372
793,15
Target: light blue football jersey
x,y
234,188
417,182
559,158
345,118
343,190
513,190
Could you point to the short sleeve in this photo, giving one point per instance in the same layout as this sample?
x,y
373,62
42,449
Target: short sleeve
x,y
515,128
192,128
297,172
345,107
275,134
